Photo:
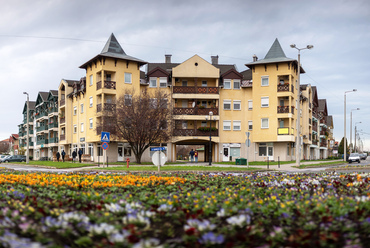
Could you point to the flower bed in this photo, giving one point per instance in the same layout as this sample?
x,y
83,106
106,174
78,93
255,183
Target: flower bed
x,y
184,210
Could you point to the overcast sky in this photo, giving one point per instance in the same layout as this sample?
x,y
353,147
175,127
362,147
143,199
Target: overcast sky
x,y
42,42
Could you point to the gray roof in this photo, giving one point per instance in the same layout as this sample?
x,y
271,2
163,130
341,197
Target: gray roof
x,y
164,66
113,49
224,68
329,121
44,95
322,105
54,92
247,74
274,55
71,82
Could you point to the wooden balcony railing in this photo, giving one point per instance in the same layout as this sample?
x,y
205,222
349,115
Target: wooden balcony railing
x,y
193,132
285,109
107,85
194,111
195,90
107,107
285,87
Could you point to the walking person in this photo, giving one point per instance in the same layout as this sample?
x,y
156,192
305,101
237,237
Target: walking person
x,y
74,155
196,156
191,153
58,156
80,154
63,155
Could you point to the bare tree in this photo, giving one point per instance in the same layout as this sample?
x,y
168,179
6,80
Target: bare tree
x,y
140,119
4,147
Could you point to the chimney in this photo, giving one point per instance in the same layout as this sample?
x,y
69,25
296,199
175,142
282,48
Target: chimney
x,y
168,58
255,58
214,60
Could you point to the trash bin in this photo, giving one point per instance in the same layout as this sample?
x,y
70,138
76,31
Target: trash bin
x,y
240,161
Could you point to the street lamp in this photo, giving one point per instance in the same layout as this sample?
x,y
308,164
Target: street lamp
x,y
345,131
28,129
350,142
210,137
298,146
356,133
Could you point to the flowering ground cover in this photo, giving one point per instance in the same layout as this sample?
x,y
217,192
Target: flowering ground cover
x,y
184,210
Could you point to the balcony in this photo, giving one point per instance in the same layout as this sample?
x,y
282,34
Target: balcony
x,y
323,143
42,128
62,102
285,109
53,125
53,140
107,107
285,88
194,111
314,142
107,85
62,137
62,120
193,132
39,115
42,142
195,90
285,131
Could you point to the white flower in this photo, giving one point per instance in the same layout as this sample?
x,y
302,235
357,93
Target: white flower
x,y
239,220
148,243
119,237
74,216
165,208
102,228
199,225
221,213
114,207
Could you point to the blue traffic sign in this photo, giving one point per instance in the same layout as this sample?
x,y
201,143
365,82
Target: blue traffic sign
x,y
154,149
104,145
105,136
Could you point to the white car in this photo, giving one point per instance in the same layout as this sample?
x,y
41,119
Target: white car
x,y
354,157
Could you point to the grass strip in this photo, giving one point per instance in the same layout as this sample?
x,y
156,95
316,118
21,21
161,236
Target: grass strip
x,y
178,168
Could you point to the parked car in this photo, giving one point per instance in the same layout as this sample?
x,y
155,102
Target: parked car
x,y
363,156
14,158
354,157
4,157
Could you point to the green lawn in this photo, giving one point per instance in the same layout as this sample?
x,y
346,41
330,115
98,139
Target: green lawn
x,y
303,166
58,165
179,168
259,163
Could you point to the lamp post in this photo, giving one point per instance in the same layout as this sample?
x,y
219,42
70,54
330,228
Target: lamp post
x,y
350,139
356,133
345,131
28,130
210,137
298,146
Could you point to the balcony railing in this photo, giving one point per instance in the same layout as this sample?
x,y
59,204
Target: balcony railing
x,y
42,128
39,115
62,102
194,111
107,85
52,125
42,142
285,131
193,132
62,120
53,140
285,109
107,107
314,142
285,87
194,90
323,144
62,137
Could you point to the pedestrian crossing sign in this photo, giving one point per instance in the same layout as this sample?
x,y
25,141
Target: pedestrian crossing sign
x,y
105,136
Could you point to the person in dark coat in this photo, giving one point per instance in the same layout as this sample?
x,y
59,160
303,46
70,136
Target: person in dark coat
x,y
80,154
191,153
74,155
63,155
58,156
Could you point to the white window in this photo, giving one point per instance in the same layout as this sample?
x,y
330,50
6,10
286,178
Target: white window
x,y
250,105
82,108
153,82
204,83
128,100
237,105
74,128
250,125
265,81
91,80
264,102
82,127
128,78
227,104
163,82
227,125
203,124
91,123
265,123
236,125
236,84
91,101
184,83
227,84
75,110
